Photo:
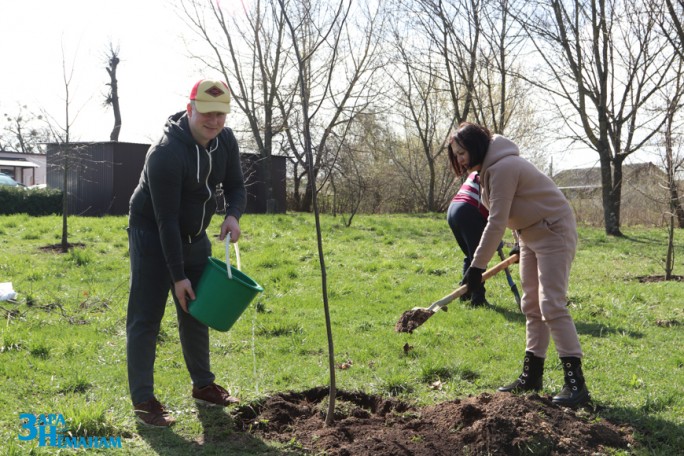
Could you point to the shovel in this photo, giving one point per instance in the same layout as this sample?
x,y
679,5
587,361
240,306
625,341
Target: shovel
x,y
509,278
415,317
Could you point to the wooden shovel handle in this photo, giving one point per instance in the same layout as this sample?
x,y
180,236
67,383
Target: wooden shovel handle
x,y
435,306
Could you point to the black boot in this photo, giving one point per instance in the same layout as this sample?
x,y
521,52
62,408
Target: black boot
x,y
575,391
531,377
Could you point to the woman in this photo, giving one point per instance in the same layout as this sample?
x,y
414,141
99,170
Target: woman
x,y
521,197
467,219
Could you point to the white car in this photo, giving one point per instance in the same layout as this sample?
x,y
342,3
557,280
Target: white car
x,y
9,181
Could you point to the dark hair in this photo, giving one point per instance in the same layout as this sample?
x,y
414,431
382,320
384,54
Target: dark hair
x,y
475,139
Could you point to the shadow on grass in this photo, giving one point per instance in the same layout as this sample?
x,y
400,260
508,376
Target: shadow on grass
x,y
219,437
652,434
643,240
165,441
589,329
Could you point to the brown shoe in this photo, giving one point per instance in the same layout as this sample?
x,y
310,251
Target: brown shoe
x,y
153,413
213,395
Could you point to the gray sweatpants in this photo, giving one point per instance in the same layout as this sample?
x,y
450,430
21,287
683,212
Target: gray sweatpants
x,y
547,250
149,289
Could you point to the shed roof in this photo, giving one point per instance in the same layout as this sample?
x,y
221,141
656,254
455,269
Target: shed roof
x,y
19,163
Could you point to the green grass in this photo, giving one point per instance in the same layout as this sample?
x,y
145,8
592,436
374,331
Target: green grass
x,y
62,345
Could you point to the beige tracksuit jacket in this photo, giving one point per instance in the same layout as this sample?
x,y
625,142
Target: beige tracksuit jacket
x,y
522,198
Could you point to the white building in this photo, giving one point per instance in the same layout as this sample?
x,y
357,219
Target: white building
x,y
28,169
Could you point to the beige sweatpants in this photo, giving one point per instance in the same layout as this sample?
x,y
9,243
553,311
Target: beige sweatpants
x,y
547,250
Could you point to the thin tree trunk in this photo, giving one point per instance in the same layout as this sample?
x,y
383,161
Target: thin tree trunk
x,y
114,96
65,202
311,186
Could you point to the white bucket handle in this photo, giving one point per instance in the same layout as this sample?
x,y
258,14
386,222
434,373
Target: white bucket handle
x,y
237,256
230,274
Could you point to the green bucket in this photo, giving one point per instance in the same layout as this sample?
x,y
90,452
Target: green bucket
x,y
219,301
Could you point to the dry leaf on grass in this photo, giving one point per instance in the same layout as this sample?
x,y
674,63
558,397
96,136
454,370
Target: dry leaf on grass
x,y
437,385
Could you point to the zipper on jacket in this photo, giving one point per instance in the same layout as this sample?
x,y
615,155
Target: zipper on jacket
x,y
206,182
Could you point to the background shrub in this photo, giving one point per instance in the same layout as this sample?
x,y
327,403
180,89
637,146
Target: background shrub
x,y
41,201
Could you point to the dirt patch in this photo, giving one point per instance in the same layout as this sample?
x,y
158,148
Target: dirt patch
x,y
57,248
660,278
487,424
411,319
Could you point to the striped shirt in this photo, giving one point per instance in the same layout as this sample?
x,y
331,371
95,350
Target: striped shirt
x,y
470,193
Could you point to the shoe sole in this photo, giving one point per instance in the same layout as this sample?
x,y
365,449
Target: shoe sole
x,y
578,403
156,426
520,390
204,403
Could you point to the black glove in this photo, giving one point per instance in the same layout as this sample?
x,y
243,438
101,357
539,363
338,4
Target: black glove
x,y
515,250
473,278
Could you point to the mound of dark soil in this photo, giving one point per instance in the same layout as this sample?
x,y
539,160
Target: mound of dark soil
x,y
489,424
411,319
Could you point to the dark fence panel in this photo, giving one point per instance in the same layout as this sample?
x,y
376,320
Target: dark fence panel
x,y
101,177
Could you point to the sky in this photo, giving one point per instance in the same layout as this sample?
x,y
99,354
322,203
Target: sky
x,y
155,74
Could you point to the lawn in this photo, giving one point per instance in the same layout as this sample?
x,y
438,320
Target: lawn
x,y
62,343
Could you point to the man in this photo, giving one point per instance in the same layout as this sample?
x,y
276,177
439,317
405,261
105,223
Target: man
x,y
169,212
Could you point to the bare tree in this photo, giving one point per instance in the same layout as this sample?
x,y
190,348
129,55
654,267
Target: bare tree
x,y
502,97
673,164
602,63
426,116
67,157
452,30
303,57
250,51
674,30
112,98
340,69
22,132
433,70
675,8
361,179
673,160
462,51
349,179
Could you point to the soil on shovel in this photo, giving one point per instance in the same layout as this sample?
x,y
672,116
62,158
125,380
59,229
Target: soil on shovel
x,y
411,319
487,424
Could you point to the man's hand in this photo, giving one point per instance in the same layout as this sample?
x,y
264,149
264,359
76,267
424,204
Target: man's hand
x,y
473,278
232,226
183,290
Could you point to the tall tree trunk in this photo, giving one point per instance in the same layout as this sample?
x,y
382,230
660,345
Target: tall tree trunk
x,y
307,200
609,192
113,97
616,199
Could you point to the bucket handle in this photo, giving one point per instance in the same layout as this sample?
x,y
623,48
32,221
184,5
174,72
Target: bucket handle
x,y
237,256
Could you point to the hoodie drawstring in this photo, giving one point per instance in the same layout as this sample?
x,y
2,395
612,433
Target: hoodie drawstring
x,y
198,161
